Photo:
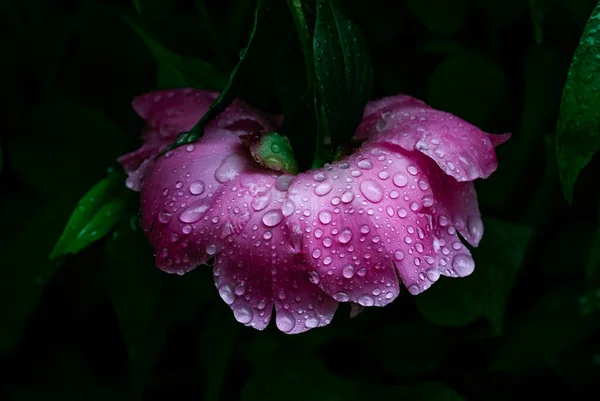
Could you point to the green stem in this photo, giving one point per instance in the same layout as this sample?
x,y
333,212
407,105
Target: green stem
x,y
297,11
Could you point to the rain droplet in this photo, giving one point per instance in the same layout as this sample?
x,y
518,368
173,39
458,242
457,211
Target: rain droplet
x,y
288,207
414,289
366,300
319,176
197,187
348,271
433,275
463,264
226,292
412,170
365,164
325,217
341,297
285,321
272,218
364,229
323,189
261,201
243,314
347,197
398,255
371,190
164,217
384,175
400,180
345,236
211,249
193,213
311,322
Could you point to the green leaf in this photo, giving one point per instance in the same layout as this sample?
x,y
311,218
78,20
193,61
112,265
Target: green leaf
x,y
94,216
457,302
577,132
440,16
237,78
539,10
175,71
134,283
215,348
470,85
543,332
296,96
138,6
343,72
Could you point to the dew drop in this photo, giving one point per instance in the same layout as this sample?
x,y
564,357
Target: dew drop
x,y
366,300
272,218
412,170
345,236
414,289
371,190
243,314
400,180
347,197
285,321
323,189
325,217
348,271
341,297
365,164
226,292
288,207
463,264
197,187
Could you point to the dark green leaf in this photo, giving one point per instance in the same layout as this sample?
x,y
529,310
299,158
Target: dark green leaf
x,y
138,6
215,348
134,283
94,216
472,86
457,302
440,16
343,71
577,132
175,71
543,332
237,77
296,97
539,10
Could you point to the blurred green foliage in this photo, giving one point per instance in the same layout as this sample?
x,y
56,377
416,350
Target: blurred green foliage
x,y
104,323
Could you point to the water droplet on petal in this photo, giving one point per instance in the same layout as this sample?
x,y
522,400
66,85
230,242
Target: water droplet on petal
x,y
341,297
261,201
243,314
285,321
463,264
194,212
398,255
325,217
433,275
323,189
164,217
272,218
311,322
371,190
364,229
412,170
288,207
348,271
365,164
347,197
366,300
400,180
414,289
197,187
226,292
319,176
345,236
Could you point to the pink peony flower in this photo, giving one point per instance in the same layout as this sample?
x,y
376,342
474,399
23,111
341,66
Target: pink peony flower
x,y
300,244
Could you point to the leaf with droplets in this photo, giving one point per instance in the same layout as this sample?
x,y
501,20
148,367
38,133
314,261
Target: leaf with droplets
x,y
175,71
578,129
271,150
95,215
483,294
343,72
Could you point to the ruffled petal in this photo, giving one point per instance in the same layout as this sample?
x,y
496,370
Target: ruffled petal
x,y
260,267
367,218
460,149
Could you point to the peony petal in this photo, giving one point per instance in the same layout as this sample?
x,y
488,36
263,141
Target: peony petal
x,y
173,111
361,217
136,165
180,188
461,150
260,265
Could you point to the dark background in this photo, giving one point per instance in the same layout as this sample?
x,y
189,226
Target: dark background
x,y
105,324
